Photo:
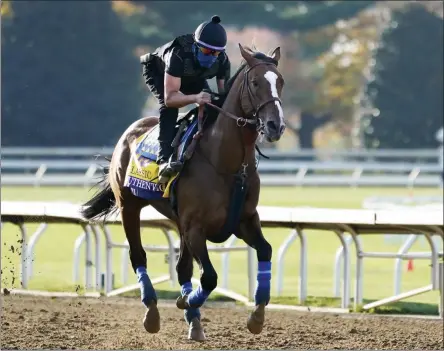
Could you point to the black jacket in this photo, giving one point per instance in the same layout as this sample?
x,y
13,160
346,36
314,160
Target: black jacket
x,y
177,59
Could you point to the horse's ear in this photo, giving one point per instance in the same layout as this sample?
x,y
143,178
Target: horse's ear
x,y
276,54
246,55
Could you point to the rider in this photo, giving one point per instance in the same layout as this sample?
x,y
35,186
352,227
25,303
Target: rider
x,y
176,73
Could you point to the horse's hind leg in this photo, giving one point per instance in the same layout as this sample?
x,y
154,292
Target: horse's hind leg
x,y
184,269
130,212
250,231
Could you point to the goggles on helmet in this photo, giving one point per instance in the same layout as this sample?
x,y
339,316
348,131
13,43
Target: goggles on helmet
x,y
207,52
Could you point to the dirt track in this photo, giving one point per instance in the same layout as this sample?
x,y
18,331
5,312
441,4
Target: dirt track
x,y
116,324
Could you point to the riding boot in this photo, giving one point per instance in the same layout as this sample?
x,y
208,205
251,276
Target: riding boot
x,y
165,158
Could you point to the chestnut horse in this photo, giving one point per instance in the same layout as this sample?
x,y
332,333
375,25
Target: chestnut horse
x,y
217,191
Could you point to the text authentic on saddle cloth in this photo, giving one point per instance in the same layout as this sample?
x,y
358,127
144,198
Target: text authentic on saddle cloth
x,y
143,171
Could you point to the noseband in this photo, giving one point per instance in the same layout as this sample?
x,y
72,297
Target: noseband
x,y
255,121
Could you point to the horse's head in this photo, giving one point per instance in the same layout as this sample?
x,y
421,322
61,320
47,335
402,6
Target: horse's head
x,y
261,92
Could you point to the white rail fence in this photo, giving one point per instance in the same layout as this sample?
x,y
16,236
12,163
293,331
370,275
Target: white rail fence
x,y
341,222
407,241
407,168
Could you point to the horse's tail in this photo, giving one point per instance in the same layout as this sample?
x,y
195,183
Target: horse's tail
x,y
103,202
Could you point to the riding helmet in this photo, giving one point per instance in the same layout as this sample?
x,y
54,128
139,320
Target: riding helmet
x,y
211,34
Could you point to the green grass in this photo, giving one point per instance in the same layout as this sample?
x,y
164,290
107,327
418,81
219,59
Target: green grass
x,y
54,252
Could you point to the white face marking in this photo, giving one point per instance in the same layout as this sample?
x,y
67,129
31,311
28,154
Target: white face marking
x,y
272,78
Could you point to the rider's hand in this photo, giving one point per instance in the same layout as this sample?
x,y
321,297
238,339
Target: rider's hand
x,y
203,98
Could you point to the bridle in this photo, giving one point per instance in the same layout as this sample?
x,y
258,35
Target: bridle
x,y
255,121
241,122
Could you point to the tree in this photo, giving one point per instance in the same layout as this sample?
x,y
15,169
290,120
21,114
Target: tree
x,y
6,9
154,21
407,84
69,75
343,67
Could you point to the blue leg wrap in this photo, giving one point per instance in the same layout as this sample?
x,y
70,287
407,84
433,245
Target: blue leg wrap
x,y
262,294
147,292
198,296
191,313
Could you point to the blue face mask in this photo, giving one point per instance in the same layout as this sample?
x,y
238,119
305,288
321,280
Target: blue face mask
x,y
204,60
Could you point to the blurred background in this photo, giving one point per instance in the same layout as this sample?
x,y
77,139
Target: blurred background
x,y
359,74
363,103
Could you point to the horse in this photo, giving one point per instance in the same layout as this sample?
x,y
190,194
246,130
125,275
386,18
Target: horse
x,y
216,191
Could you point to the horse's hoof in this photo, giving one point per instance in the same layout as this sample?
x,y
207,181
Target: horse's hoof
x,y
256,320
196,331
182,302
151,322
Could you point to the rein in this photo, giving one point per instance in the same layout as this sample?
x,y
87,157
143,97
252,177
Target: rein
x,y
240,121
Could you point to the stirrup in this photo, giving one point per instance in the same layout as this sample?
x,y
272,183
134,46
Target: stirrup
x,y
169,169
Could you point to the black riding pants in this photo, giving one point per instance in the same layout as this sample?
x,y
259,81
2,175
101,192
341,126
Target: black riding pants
x,y
154,79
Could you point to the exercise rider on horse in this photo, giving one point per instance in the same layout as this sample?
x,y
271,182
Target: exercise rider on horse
x,y
176,73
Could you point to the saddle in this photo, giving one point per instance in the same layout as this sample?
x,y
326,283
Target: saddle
x,y
185,129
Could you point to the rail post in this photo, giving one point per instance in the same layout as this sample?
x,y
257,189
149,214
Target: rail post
x,y
441,288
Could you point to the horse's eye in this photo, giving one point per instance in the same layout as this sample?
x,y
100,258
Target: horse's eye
x,y
254,81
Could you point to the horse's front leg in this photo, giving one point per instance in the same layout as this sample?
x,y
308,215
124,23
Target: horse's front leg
x,y
250,231
130,212
184,270
196,242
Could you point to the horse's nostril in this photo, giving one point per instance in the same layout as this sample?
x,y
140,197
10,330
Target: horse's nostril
x,y
272,126
282,129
